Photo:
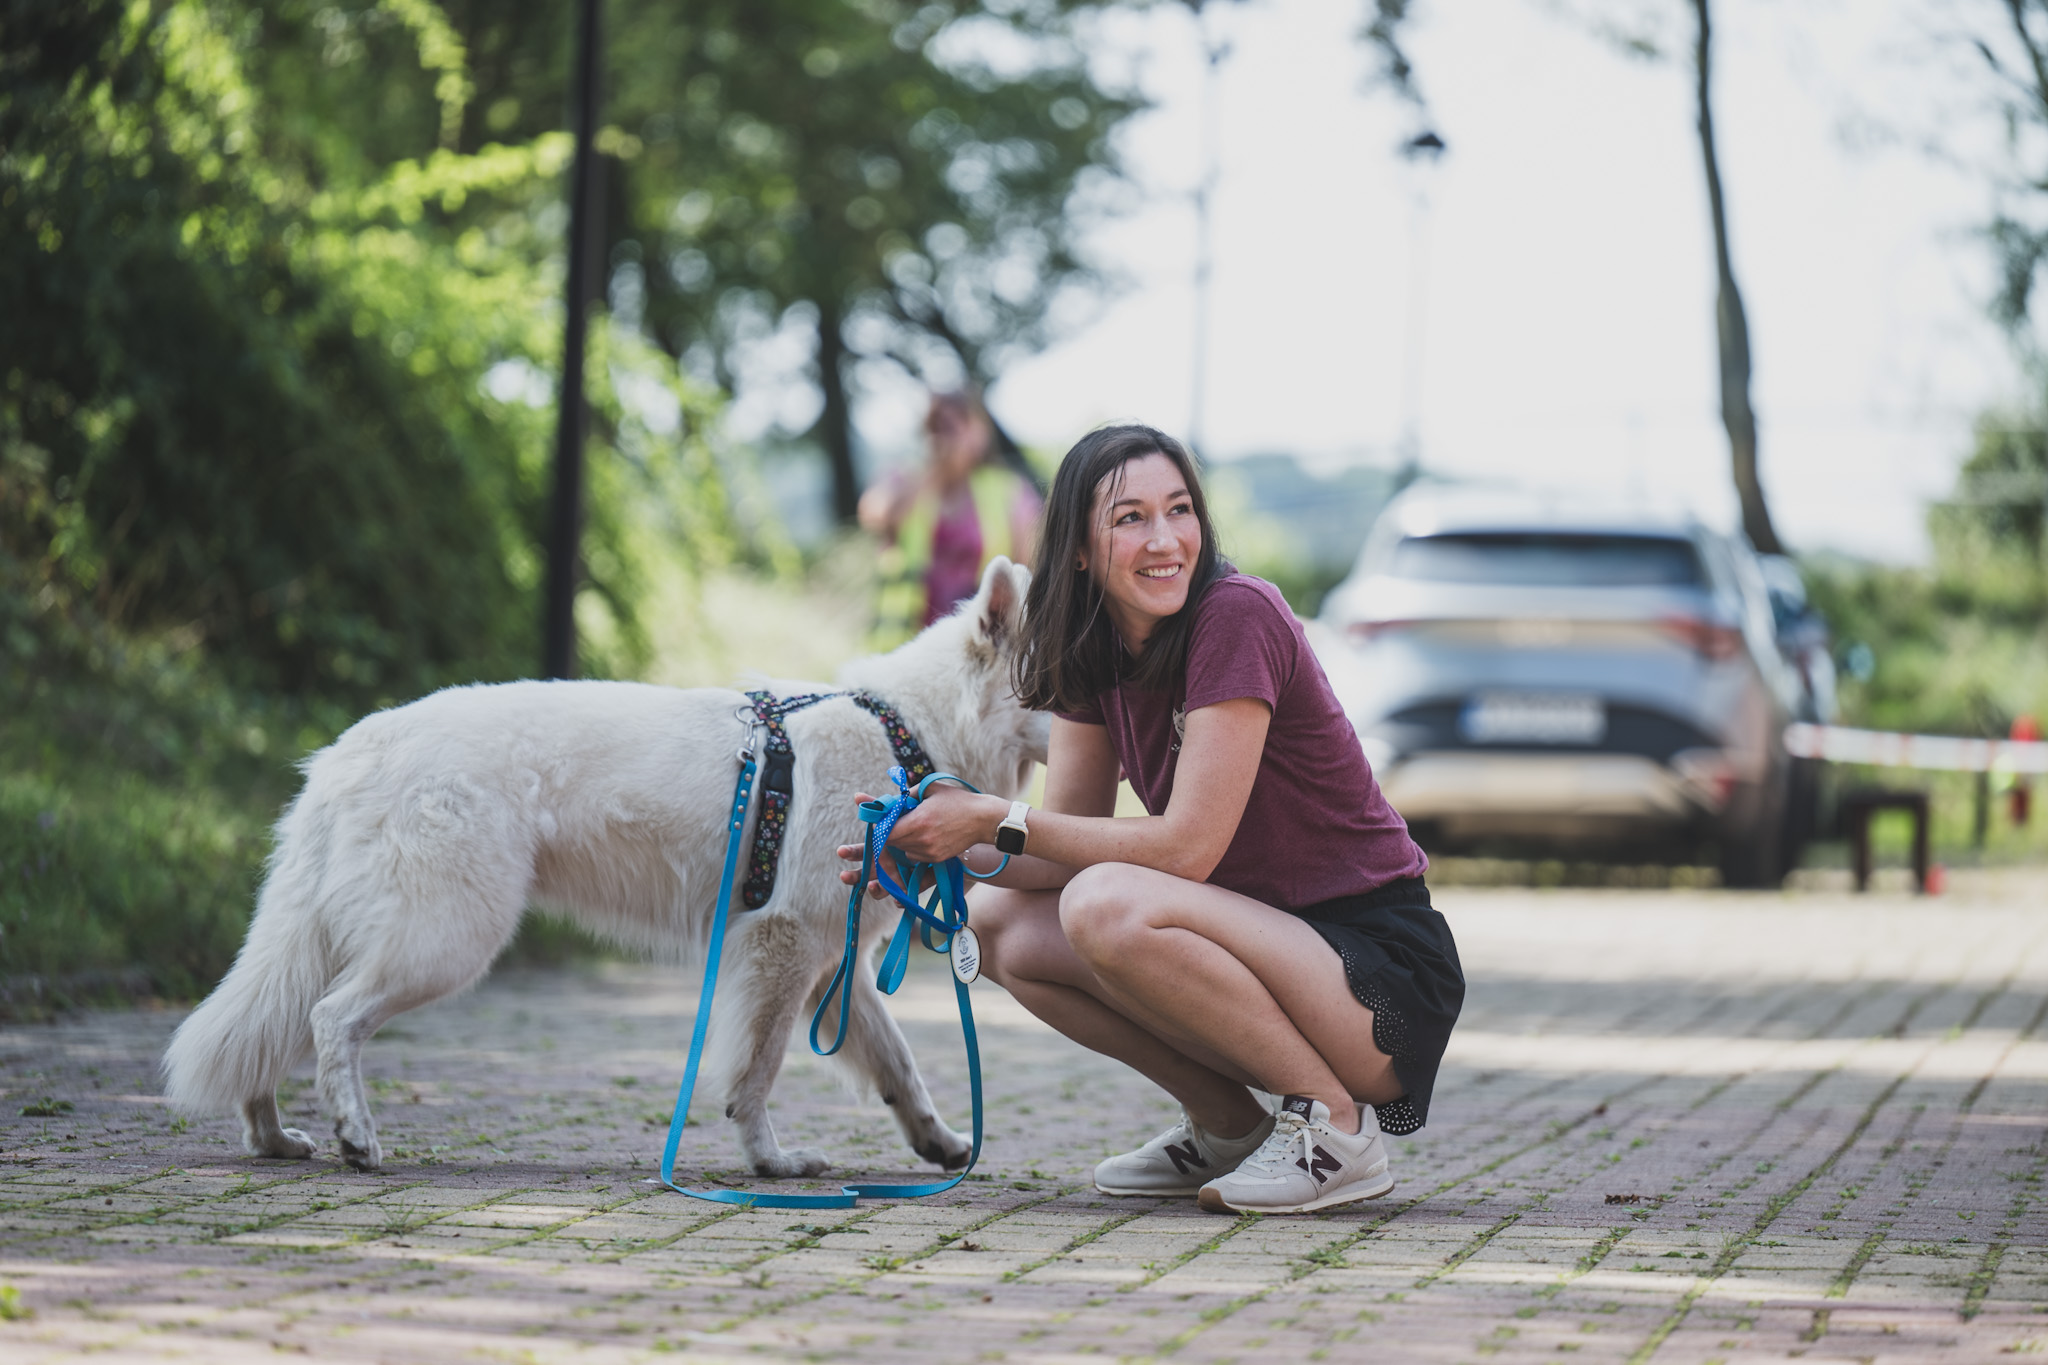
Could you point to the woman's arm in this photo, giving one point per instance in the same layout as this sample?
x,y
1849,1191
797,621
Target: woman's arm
x,y
1024,510
1080,779
1218,761
884,505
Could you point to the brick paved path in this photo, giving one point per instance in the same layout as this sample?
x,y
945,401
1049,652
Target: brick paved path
x,y
1680,1127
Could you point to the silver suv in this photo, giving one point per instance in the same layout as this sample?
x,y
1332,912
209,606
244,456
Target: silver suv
x,y
1529,671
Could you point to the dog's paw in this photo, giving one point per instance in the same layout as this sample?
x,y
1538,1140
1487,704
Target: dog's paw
x,y
367,1156
945,1148
289,1145
792,1162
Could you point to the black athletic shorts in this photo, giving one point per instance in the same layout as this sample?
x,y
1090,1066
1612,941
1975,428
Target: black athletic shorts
x,y
1403,966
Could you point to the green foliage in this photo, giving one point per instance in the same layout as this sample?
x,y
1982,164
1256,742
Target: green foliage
x,y
247,308
135,789
908,181
1960,647
916,167
274,440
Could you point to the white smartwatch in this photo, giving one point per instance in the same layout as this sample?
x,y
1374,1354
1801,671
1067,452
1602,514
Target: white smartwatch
x,y
1010,834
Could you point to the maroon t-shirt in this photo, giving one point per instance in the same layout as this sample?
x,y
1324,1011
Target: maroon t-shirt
x,y
1316,826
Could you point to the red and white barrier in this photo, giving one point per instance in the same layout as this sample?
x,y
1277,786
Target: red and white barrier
x,y
1840,744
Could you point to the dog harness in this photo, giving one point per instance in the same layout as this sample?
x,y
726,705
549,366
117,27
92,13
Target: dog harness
x,y
778,767
944,915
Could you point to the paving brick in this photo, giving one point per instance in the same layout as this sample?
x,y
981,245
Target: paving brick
x,y
1683,1127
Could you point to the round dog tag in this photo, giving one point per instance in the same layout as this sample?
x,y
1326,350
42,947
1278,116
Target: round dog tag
x,y
965,951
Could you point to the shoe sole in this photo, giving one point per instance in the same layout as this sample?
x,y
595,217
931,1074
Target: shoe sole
x,y
1177,1192
1214,1201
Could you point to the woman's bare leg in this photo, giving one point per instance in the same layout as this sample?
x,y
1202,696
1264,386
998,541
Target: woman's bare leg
x,y
1026,952
1254,985
1199,988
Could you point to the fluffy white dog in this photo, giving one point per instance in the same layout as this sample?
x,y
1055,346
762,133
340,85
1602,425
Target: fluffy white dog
x,y
424,832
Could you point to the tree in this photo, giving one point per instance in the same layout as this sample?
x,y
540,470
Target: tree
x,y
2010,37
249,294
908,182
1731,322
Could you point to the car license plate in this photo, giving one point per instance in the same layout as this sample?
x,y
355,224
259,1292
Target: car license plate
x,y
1533,718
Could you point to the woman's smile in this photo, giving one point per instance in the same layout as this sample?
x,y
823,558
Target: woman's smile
x,y
1149,539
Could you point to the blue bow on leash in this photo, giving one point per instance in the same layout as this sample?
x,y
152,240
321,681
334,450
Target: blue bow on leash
x,y
945,914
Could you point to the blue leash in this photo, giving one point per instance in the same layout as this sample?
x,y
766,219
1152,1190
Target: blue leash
x,y
946,913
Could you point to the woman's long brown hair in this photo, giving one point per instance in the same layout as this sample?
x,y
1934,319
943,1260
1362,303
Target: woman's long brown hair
x,y
1070,653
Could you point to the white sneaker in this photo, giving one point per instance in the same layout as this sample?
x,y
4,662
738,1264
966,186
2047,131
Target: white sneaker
x,y
1306,1164
1178,1161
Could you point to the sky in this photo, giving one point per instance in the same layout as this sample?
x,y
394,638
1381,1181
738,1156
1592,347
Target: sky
x,y
1538,306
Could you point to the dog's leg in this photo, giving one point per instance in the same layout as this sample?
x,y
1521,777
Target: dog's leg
x,y
876,1048
766,1030
763,1014
344,1020
264,1135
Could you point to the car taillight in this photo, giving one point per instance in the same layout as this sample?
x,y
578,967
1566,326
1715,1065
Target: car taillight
x,y
1710,771
1708,639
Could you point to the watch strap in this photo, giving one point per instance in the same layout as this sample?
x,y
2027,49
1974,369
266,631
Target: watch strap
x,y
1012,832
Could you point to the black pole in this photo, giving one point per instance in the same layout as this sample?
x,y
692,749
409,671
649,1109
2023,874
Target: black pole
x,y
572,418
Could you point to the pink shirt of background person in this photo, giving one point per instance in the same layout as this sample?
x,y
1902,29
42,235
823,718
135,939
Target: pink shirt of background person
x,y
963,439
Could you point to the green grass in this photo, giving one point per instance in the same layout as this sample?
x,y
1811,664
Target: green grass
x,y
136,791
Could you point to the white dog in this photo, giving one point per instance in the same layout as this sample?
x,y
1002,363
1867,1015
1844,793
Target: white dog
x,y
424,832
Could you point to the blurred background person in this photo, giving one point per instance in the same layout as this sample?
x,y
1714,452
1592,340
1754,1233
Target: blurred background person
x,y
974,499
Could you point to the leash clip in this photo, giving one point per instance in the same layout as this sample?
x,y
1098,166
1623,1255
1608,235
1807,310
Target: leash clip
x,y
749,717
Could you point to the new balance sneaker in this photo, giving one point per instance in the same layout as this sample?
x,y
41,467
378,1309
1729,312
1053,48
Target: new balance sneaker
x,y
1306,1164
1178,1161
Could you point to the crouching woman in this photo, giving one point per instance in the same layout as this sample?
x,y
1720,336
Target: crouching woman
x,y
1266,925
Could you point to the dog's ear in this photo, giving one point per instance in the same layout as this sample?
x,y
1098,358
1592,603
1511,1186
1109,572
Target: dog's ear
x,y
999,604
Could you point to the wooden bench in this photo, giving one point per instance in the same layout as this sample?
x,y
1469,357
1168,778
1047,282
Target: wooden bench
x,y
1858,804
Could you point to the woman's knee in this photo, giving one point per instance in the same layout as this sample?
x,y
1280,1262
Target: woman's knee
x,y
1006,923
1102,910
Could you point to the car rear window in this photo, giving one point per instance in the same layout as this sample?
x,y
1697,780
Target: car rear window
x,y
1550,560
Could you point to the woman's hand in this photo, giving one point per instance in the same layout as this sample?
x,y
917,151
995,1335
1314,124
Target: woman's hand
x,y
946,824
949,821
853,853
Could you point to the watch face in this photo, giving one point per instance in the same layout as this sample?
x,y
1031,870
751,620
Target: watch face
x,y
1009,839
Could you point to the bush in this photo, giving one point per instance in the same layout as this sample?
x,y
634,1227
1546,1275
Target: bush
x,y
251,316
135,792
1961,646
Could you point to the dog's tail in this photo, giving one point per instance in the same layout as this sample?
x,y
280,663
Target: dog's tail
x,y
257,1023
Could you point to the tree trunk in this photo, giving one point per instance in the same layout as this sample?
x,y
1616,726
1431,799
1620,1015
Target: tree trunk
x,y
835,423
1730,321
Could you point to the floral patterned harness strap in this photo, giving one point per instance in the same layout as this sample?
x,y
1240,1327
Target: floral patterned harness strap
x,y
778,767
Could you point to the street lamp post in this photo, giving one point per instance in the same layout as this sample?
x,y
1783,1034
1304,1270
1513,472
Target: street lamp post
x,y
1422,152
1215,50
572,417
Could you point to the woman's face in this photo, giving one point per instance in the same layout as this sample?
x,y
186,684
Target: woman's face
x,y
1145,541
960,437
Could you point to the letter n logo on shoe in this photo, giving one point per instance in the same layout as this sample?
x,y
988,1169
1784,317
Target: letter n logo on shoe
x,y
1325,1165
1185,1156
